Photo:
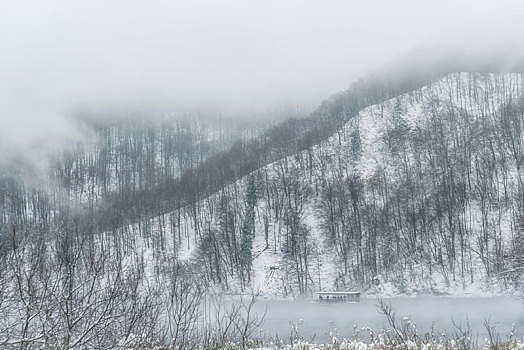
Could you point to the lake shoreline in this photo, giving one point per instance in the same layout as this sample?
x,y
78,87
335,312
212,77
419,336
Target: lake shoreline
x,y
320,321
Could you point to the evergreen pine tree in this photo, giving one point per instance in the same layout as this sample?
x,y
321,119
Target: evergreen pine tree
x,y
356,144
248,227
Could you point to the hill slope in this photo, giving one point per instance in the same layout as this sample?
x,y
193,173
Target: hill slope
x,y
419,194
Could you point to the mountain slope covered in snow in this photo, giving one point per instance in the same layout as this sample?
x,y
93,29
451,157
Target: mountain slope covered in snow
x,y
420,194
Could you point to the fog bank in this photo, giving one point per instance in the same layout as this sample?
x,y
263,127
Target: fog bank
x,y
232,56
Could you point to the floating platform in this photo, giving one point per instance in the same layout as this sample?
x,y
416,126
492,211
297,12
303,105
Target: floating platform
x,y
337,297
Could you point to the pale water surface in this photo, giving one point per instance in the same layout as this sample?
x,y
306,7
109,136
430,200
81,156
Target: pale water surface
x,y
319,320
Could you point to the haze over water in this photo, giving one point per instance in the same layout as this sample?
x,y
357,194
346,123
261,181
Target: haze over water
x,y
319,320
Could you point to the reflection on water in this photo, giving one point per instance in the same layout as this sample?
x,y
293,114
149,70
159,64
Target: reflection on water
x,y
318,320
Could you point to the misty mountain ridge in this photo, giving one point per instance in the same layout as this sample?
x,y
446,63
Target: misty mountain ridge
x,y
397,187
202,175
420,194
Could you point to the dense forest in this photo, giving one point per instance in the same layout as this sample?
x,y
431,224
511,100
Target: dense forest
x,y
424,191
412,178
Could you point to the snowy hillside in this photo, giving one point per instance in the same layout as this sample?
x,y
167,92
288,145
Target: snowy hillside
x,y
417,195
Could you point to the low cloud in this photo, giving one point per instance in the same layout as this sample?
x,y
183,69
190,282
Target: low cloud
x,y
234,56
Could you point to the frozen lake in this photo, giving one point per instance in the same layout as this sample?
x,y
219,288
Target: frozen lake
x,y
320,319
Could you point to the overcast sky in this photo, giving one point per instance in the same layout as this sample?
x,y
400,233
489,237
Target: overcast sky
x,y
233,56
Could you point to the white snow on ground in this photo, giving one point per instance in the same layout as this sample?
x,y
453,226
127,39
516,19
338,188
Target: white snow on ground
x,y
335,156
